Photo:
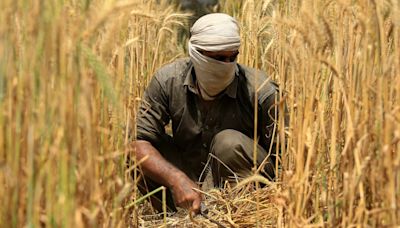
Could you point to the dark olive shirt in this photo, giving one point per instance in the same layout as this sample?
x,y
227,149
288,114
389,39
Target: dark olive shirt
x,y
172,96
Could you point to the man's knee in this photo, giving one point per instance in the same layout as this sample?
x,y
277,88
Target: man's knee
x,y
226,143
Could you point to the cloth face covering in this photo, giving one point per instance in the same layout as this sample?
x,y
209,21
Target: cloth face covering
x,y
213,32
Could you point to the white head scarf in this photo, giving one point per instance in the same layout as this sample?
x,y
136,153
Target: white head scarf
x,y
213,32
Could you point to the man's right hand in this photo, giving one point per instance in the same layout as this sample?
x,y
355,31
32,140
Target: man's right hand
x,y
184,195
163,172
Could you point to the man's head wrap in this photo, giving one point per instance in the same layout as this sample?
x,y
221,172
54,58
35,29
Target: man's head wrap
x,y
213,32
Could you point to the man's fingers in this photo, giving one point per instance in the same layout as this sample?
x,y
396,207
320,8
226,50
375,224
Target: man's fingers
x,y
185,203
196,205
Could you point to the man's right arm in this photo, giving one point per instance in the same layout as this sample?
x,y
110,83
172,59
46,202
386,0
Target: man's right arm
x,y
157,168
153,115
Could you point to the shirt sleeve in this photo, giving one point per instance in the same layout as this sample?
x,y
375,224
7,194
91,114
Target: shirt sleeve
x,y
153,113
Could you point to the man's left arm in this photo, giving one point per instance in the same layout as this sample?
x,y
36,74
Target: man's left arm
x,y
269,125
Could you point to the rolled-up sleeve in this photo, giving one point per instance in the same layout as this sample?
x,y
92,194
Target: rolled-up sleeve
x,y
153,113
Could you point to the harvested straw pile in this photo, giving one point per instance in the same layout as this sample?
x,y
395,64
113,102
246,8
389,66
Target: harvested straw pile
x,y
242,206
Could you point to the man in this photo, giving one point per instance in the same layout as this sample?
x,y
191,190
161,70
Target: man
x,y
210,100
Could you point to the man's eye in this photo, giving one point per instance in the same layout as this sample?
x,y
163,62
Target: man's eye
x,y
220,58
224,58
233,58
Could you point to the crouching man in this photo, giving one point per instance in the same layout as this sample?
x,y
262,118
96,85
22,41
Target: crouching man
x,y
210,100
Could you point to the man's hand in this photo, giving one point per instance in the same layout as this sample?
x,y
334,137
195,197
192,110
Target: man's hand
x,y
184,195
163,172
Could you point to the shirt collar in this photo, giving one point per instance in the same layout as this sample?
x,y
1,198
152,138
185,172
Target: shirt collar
x,y
190,82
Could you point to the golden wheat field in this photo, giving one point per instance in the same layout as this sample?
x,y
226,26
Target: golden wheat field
x,y
72,74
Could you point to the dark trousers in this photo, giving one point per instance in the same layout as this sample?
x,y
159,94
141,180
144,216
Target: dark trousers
x,y
231,159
